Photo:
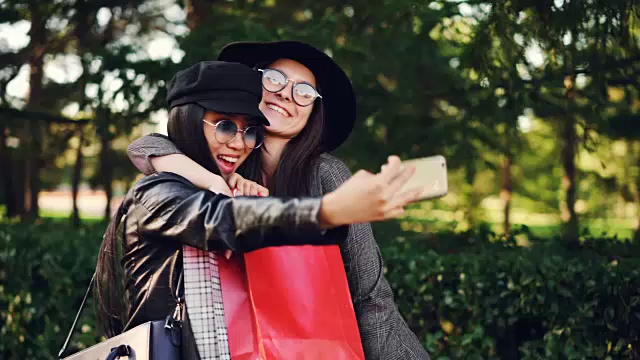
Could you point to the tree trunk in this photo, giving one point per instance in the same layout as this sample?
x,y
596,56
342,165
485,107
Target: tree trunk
x,y
83,34
105,158
106,175
635,147
569,146
7,178
196,11
77,176
636,231
33,146
471,213
32,129
505,193
35,164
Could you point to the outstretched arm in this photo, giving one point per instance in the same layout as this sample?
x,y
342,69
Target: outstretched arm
x,y
168,207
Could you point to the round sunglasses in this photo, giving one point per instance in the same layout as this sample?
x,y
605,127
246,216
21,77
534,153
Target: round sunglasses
x,y
303,93
226,130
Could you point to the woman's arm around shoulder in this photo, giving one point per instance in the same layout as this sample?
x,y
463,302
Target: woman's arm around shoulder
x,y
155,153
143,149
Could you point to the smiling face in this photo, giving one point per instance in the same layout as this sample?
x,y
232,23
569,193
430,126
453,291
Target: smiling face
x,y
231,155
286,117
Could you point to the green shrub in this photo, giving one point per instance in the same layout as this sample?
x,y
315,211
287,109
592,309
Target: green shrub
x,y
45,269
497,300
470,295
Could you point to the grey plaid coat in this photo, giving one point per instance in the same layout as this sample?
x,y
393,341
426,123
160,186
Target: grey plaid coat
x,y
383,331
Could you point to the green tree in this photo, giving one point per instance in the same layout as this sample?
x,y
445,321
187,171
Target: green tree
x,y
118,87
586,46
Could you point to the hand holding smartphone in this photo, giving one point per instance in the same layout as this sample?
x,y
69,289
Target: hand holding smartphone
x,y
430,175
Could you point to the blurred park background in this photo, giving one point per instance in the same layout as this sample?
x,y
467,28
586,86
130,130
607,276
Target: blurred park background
x,y
535,104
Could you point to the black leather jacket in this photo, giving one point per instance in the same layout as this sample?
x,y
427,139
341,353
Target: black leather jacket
x,y
165,211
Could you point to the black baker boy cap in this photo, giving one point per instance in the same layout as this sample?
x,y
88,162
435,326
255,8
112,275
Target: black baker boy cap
x,y
220,86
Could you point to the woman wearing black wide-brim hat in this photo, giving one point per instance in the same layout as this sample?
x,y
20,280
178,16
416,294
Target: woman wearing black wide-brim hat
x,y
340,103
310,104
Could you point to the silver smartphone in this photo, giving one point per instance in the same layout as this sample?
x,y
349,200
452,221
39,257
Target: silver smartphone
x,y
430,175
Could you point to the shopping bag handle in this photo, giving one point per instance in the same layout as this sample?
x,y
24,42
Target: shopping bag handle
x,y
119,351
75,321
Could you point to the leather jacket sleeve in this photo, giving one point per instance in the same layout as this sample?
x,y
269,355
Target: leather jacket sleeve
x,y
171,207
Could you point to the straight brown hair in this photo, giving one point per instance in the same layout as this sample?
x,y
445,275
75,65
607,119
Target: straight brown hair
x,y
293,175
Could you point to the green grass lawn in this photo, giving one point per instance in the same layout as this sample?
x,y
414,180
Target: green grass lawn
x,y
47,214
622,229
595,229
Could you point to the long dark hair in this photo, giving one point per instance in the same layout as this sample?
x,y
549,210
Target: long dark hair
x,y
185,129
109,286
293,175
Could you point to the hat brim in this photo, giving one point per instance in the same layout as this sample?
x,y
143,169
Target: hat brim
x,y
338,97
236,103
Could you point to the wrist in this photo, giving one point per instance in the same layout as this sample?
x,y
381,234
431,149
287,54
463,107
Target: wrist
x,y
328,214
218,185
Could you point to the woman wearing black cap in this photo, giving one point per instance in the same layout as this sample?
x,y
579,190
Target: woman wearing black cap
x,y
213,114
310,104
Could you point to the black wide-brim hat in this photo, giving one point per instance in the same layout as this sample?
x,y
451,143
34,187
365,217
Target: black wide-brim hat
x,y
338,97
225,87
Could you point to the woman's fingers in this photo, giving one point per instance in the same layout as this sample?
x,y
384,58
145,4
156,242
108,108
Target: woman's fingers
x,y
250,188
390,170
398,182
233,181
394,213
395,207
402,199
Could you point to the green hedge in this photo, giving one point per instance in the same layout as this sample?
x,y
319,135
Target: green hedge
x,y
45,269
497,300
467,295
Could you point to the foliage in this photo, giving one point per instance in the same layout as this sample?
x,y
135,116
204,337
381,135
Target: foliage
x,y
44,271
431,77
497,300
466,295
582,52
112,82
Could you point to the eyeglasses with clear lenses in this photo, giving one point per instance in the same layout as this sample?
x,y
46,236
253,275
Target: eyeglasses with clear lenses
x,y
226,130
303,93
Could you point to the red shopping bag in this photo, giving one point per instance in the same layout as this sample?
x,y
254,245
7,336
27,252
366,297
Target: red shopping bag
x,y
289,303
239,314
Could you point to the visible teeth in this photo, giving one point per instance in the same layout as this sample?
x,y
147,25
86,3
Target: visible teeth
x,y
278,109
228,158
